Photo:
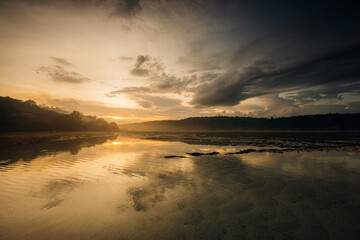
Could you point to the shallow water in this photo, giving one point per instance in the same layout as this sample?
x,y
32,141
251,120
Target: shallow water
x,y
126,188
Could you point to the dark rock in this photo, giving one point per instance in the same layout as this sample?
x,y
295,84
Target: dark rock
x,y
196,154
174,156
243,151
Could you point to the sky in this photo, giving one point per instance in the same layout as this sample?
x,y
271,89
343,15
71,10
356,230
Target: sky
x,y
138,60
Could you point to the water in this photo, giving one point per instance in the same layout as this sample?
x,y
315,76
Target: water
x,y
125,188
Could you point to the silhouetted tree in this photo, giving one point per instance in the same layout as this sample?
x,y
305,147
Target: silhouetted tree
x,y
17,115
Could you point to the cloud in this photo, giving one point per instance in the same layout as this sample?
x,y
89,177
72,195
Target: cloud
x,y
67,104
202,56
161,83
140,60
156,100
127,8
144,104
61,61
132,90
224,52
126,59
169,83
326,91
59,74
273,105
333,72
138,70
125,28
145,97
160,80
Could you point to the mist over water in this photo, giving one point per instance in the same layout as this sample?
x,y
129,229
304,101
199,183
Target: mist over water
x,y
127,188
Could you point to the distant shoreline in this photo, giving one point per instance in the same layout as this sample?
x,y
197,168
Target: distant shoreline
x,y
308,123
238,131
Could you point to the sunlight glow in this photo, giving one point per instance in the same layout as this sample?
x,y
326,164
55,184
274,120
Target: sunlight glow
x,y
113,117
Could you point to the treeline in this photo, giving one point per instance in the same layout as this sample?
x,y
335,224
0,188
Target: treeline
x,y
331,122
17,115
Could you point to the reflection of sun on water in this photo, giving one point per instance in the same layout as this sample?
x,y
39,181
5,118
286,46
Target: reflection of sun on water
x,y
130,141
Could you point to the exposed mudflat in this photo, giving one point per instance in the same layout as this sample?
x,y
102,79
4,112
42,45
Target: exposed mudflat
x,y
263,141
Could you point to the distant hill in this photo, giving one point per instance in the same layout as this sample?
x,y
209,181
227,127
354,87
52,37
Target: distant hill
x,y
335,122
17,115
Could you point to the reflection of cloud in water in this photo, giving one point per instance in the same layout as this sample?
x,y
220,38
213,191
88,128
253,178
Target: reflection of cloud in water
x,y
144,198
54,191
312,164
125,171
52,203
147,196
223,197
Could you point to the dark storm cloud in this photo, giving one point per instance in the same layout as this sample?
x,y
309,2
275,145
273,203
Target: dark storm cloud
x,y
126,9
334,72
328,91
202,56
268,48
277,47
59,74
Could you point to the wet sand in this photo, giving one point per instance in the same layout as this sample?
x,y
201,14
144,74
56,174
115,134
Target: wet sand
x,y
281,141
